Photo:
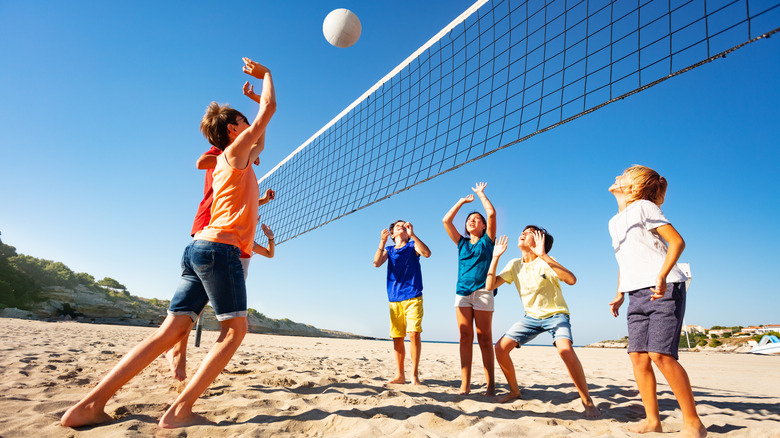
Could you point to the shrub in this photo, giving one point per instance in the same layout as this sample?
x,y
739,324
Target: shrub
x,y
715,343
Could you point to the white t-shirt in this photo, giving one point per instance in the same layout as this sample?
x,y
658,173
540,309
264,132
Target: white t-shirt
x,y
639,249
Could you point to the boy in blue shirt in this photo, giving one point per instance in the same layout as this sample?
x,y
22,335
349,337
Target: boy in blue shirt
x,y
404,291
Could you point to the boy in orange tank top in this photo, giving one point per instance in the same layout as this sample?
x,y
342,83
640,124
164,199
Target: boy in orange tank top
x,y
211,268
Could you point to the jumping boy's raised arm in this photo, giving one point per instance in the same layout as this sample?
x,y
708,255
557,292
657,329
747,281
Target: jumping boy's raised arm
x,y
380,256
263,251
450,216
479,189
244,148
492,281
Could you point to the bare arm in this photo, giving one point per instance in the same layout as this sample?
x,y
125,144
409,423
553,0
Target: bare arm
x,y
676,247
380,256
263,251
564,274
206,161
450,216
493,281
490,211
267,197
244,148
420,247
615,304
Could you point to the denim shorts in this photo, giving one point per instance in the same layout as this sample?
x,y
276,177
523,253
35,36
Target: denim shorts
x,y
210,271
528,328
655,326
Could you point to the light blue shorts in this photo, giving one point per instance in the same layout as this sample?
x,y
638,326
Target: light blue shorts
x,y
528,328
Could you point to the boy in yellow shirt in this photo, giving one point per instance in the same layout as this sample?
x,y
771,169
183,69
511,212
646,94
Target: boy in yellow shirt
x,y
536,276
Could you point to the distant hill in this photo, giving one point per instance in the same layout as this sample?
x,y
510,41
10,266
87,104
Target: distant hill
x,y
43,289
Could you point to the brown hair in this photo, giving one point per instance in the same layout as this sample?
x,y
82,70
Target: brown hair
x,y
215,121
646,184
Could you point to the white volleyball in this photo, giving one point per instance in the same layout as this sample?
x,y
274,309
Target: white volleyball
x,y
341,28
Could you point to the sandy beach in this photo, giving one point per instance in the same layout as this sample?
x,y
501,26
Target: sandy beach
x,y
293,386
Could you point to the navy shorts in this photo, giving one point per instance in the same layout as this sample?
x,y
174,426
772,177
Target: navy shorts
x,y
654,326
210,271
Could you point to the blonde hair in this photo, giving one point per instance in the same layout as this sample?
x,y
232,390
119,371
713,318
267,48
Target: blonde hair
x,y
646,184
215,121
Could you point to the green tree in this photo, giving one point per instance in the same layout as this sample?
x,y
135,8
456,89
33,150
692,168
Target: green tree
x,y
715,343
110,282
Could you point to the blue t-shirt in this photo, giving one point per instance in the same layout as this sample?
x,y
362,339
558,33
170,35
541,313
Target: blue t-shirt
x,y
473,264
404,277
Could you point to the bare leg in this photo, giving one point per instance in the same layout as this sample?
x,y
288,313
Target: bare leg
x,y
484,322
177,356
681,386
180,413
574,367
90,410
465,316
416,345
504,347
645,380
400,356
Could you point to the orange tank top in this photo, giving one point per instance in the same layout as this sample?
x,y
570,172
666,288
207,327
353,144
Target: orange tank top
x,y
234,210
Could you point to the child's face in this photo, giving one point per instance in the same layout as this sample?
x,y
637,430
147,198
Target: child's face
x,y
526,240
399,230
621,186
475,225
240,126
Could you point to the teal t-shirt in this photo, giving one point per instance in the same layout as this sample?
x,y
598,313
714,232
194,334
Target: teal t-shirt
x,y
473,264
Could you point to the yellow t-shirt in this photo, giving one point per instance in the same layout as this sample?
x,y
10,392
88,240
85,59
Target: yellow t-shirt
x,y
234,211
538,286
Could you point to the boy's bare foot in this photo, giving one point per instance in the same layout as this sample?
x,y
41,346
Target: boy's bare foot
x,y
400,380
171,421
178,364
465,389
693,431
591,411
508,397
645,427
84,415
416,381
490,391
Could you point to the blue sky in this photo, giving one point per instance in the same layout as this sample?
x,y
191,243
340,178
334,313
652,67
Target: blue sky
x,y
101,105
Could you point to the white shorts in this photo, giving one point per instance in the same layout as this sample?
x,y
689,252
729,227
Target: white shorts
x,y
480,299
245,265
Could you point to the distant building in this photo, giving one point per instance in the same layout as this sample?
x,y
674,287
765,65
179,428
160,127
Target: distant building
x,y
768,328
691,329
721,332
751,330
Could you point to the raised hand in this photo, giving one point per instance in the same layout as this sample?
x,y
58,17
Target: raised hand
x,y
267,231
479,188
467,199
383,237
249,91
500,247
409,228
538,248
254,69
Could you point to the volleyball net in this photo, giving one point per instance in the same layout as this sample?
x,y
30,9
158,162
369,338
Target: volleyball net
x,y
500,73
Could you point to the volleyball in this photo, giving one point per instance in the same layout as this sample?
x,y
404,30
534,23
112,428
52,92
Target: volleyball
x,y
341,28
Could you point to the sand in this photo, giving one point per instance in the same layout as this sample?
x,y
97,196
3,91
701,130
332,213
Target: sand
x,y
292,386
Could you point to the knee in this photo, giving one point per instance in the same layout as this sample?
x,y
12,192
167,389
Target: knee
x,y
565,349
466,332
235,329
414,336
660,359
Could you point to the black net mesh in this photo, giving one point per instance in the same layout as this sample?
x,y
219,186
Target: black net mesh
x,y
510,70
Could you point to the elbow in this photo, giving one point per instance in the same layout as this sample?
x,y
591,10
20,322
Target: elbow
x,y
571,281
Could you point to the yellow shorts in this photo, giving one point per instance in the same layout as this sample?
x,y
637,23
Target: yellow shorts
x,y
406,316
